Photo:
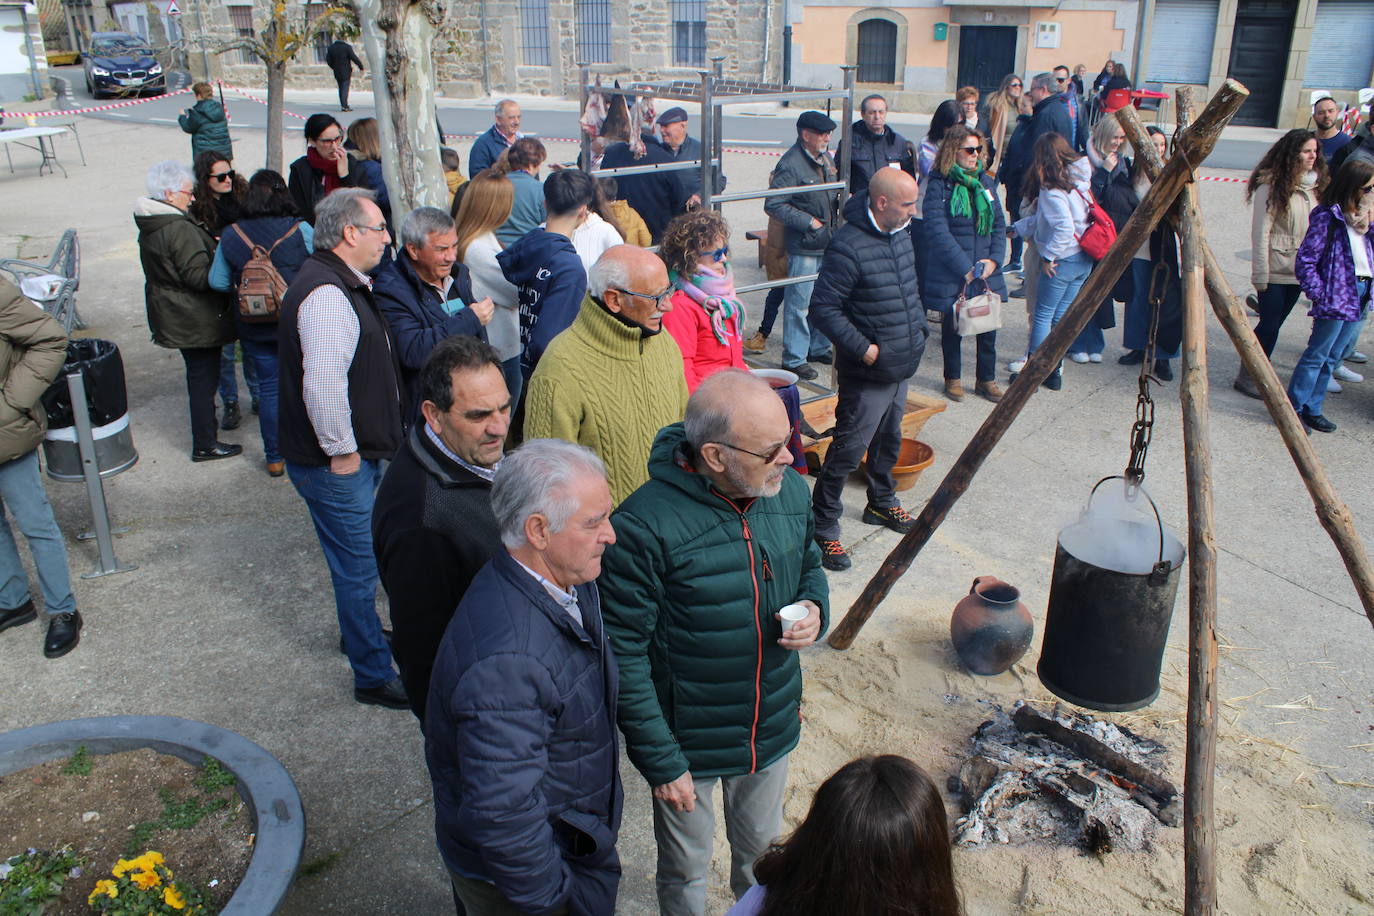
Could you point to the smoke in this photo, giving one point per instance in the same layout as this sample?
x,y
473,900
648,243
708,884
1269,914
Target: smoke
x,y
1117,531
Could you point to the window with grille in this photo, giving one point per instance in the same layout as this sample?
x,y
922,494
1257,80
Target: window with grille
x,y
242,19
534,32
323,38
877,51
594,31
689,33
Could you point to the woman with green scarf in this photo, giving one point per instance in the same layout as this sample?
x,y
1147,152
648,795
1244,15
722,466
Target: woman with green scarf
x,y
966,242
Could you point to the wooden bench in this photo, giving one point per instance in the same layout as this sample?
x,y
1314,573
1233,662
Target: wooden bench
x,y
760,236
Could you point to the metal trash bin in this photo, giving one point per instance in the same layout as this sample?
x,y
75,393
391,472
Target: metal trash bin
x,y
102,374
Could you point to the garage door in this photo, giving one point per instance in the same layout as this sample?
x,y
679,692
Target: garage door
x,y
1181,39
1342,45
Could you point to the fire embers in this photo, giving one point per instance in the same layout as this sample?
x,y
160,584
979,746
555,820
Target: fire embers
x,y
1062,778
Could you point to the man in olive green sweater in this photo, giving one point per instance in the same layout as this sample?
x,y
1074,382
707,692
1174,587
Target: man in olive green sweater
x,y
612,380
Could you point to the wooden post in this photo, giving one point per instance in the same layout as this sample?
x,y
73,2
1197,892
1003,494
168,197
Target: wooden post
x,y
1335,516
1198,140
1199,832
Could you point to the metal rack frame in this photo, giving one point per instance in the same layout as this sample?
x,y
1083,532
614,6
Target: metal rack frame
x,y
712,90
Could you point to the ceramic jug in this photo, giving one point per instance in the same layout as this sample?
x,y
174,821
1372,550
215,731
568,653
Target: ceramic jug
x,y
990,627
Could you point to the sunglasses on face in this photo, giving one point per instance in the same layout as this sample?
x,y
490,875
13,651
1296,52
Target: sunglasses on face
x,y
972,149
1015,86
720,254
222,176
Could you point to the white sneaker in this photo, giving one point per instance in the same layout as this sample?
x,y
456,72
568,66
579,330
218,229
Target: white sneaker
x,y
1341,373
1016,365
1333,386
1094,357
1357,357
1079,357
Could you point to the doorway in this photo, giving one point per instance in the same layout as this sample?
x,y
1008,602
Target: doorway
x,y
1259,57
986,54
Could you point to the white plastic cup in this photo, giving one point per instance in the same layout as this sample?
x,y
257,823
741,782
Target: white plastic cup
x,y
792,615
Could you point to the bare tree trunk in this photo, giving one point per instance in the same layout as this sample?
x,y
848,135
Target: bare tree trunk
x,y
398,37
276,100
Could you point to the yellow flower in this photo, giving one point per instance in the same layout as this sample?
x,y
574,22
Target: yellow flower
x,y
173,898
146,879
122,866
106,887
152,858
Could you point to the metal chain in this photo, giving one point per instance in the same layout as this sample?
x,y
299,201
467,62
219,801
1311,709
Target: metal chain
x,y
1143,428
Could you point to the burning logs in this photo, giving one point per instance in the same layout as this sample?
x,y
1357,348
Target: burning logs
x,y
1065,778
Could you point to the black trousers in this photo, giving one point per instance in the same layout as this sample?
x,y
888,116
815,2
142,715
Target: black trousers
x,y
343,82
202,379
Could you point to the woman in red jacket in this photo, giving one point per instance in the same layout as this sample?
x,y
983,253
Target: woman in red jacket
x,y
707,319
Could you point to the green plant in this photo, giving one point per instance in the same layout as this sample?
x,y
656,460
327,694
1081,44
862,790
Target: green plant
x,y
32,879
185,813
142,886
79,764
213,776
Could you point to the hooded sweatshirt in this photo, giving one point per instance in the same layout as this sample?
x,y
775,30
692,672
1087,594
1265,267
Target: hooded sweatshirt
x,y
546,269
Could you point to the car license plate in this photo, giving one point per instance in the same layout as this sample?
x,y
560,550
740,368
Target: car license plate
x,y
131,82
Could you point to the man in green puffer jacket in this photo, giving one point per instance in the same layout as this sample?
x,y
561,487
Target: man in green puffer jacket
x,y
707,552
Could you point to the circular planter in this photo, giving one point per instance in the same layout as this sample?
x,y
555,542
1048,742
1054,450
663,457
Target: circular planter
x,y
262,782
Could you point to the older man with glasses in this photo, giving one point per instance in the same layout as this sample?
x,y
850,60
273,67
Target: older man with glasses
x,y
613,379
340,417
713,586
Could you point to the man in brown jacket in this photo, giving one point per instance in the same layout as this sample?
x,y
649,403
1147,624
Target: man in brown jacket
x,y
33,348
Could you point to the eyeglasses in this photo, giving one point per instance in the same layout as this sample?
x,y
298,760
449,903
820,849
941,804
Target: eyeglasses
x,y
971,149
1014,86
339,139
658,298
222,176
767,459
1061,79
720,254
381,227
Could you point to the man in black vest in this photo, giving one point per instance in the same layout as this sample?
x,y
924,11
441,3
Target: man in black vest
x,y
340,58
432,526
339,417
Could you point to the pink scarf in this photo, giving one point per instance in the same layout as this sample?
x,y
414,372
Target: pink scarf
x,y
713,288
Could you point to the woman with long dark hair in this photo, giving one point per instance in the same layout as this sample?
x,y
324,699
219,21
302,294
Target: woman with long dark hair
x,y
966,235
269,221
325,166
1283,188
1059,181
875,843
1335,264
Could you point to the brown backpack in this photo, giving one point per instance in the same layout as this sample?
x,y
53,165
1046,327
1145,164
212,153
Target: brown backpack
x,y
261,286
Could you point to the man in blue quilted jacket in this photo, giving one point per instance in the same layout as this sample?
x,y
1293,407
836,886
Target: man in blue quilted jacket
x,y
520,726
707,553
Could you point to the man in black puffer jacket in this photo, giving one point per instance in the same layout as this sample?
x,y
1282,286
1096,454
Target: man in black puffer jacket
x,y
866,301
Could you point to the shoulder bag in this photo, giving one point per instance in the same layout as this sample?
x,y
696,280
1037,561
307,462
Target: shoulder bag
x,y
979,313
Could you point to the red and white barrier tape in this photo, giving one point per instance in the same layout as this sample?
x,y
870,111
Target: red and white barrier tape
x,y
63,112
252,98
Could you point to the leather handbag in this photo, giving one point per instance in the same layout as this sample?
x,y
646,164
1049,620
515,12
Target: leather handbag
x,y
1097,239
977,314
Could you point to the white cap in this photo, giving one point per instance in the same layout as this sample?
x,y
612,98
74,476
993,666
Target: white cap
x,y
1319,94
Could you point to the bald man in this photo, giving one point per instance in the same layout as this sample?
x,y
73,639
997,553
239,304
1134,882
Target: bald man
x,y
613,379
707,553
866,301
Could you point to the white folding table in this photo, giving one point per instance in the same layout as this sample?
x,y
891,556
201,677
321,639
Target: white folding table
x,y
40,140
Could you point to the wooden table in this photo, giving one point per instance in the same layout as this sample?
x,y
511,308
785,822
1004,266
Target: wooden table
x,y
44,145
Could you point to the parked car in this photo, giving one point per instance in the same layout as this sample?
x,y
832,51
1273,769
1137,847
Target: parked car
x,y
118,63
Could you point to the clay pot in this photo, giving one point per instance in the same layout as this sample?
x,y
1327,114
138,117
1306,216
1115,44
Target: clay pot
x,y
913,458
990,627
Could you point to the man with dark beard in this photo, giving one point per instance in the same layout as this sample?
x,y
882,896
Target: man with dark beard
x,y
707,553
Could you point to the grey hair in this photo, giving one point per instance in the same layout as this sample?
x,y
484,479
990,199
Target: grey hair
x,y
336,212
421,222
501,105
533,480
608,272
1045,81
167,177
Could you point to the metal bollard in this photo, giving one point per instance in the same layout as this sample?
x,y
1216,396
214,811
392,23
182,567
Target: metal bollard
x,y
95,487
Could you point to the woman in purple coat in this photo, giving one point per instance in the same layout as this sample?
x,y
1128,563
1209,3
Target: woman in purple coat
x,y
1334,266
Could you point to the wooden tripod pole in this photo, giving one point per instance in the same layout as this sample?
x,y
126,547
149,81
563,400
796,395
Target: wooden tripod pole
x,y
1198,140
1199,832
1332,512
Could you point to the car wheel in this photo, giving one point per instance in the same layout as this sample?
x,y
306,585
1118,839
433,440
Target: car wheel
x,y
90,89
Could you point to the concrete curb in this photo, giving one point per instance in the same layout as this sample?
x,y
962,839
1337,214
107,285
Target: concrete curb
x,y
262,782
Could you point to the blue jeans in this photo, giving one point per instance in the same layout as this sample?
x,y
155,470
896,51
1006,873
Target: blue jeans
x,y
23,496
1055,294
1307,387
228,383
341,508
1355,338
800,341
262,357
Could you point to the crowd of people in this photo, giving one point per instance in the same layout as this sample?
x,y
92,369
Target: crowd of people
x,y
588,528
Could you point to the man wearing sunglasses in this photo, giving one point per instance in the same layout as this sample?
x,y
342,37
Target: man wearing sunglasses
x,y
706,555
612,380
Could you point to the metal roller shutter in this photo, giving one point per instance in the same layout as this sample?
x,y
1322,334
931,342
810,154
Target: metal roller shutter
x,y
1181,41
1342,45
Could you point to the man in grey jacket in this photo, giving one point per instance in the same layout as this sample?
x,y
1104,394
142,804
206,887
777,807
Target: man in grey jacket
x,y
672,127
809,218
